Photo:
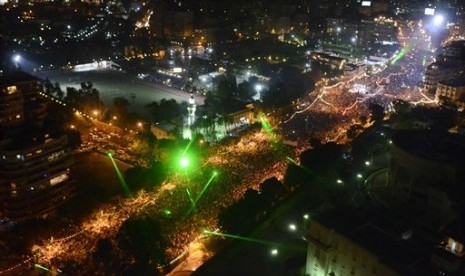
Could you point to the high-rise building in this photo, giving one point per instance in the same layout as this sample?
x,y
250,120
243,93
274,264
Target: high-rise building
x,y
35,158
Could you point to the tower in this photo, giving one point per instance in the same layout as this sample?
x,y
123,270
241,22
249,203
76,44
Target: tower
x,y
191,107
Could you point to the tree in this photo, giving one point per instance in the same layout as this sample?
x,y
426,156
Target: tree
x,y
141,239
166,110
144,144
227,90
72,96
322,159
276,96
271,189
245,91
136,178
120,104
104,251
377,112
74,138
57,91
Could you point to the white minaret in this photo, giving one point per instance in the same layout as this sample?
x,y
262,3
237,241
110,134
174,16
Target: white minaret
x,y
191,107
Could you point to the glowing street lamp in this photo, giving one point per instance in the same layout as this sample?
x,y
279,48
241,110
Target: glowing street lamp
x,y
438,20
292,227
274,252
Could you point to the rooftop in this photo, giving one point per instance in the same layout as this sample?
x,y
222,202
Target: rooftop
x,y
457,82
15,77
442,147
379,234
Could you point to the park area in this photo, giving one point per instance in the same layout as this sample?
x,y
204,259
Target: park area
x,y
112,84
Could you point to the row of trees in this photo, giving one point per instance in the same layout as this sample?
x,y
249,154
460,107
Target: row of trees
x,y
87,99
244,215
138,247
320,162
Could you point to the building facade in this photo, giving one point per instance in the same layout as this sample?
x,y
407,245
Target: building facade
x,y
439,71
331,252
35,158
425,174
451,92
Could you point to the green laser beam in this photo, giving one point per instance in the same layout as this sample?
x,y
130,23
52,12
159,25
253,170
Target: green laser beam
x,y
194,202
120,175
167,212
292,161
247,239
42,267
190,198
215,173
188,146
299,165
258,241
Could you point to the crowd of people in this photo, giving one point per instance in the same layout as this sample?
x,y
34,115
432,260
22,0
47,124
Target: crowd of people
x,y
184,212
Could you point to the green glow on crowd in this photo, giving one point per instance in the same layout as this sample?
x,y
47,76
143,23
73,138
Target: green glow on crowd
x,y
292,161
120,175
184,162
266,126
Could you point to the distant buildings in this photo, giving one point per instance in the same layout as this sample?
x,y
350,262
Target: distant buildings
x,y
35,158
443,78
349,37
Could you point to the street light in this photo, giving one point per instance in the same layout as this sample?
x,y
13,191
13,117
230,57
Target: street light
x,y
292,227
438,20
16,58
274,252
